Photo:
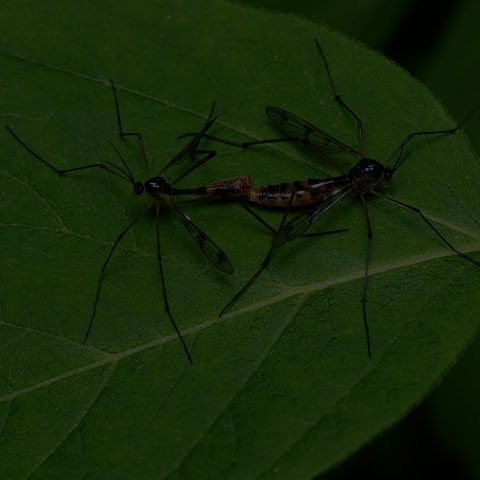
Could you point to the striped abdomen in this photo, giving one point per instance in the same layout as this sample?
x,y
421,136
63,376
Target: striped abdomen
x,y
307,192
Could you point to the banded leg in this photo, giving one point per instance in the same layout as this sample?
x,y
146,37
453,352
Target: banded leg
x,y
164,289
337,98
100,279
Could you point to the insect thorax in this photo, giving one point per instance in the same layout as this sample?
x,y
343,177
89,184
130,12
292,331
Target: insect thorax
x,y
157,185
365,174
367,169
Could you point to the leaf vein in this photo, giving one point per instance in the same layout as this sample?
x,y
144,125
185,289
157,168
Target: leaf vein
x,y
290,292
261,359
43,200
54,337
108,375
370,369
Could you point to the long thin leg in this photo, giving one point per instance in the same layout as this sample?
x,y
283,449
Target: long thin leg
x,y
266,224
243,144
68,170
365,278
190,149
273,140
331,162
100,279
164,289
264,264
339,100
124,134
321,234
210,120
400,148
208,198
256,216
419,212
210,137
245,287
209,154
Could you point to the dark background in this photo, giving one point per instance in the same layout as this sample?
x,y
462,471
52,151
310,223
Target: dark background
x,y
438,42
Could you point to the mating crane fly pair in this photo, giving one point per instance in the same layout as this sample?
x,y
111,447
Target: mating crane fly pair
x,y
318,195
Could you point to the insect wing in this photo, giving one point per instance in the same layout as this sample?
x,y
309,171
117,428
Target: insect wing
x,y
191,147
302,222
184,152
210,249
193,144
295,126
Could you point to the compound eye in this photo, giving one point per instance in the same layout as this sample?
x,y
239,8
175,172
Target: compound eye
x,y
138,188
387,173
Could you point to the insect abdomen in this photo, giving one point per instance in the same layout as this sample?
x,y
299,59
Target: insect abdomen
x,y
279,195
231,188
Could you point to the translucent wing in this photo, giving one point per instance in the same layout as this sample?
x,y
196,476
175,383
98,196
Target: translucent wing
x,y
210,249
295,126
302,222
191,147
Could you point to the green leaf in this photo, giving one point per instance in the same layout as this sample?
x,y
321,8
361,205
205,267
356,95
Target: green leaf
x,y
281,386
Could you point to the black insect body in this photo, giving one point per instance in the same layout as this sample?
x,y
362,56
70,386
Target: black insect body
x,y
323,194
159,192
157,186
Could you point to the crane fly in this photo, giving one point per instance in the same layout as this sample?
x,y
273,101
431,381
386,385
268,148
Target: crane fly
x,y
322,194
158,191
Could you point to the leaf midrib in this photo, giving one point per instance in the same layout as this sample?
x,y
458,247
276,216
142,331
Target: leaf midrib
x,y
288,291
